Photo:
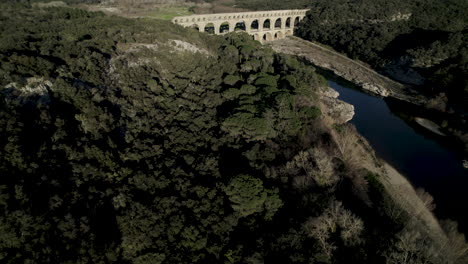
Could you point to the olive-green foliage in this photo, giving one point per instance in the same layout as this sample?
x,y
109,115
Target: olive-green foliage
x,y
272,4
248,196
114,138
139,141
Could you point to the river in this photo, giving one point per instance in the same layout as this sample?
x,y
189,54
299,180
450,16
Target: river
x,y
428,161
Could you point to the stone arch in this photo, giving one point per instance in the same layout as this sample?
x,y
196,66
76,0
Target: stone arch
x,y
210,28
254,25
288,22
257,37
267,36
279,35
278,23
267,23
289,33
240,26
296,21
195,26
224,27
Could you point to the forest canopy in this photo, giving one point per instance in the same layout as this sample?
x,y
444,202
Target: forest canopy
x,y
139,141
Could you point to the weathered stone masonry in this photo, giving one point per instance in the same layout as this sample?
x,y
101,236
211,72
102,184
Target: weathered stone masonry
x,y
262,25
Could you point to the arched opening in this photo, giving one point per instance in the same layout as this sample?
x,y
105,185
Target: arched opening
x,y
240,26
267,24
267,37
288,22
278,23
296,21
224,28
289,33
279,35
210,28
195,26
254,25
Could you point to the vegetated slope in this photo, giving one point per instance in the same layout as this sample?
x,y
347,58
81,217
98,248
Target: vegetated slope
x,y
422,42
272,4
139,141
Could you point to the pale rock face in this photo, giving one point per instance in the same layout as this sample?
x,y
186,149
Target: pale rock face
x,y
180,45
328,92
376,89
428,124
341,112
35,86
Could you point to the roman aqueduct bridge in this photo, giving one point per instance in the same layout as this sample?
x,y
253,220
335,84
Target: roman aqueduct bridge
x,y
262,25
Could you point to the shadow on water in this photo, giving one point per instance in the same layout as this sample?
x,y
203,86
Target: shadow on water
x,y
428,160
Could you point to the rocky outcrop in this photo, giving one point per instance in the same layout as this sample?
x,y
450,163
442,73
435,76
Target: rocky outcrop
x,y
340,112
429,125
376,89
326,91
180,45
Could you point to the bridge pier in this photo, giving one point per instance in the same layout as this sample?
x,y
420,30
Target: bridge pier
x,y
285,19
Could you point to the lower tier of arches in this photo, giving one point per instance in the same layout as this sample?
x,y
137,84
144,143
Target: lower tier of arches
x,y
271,35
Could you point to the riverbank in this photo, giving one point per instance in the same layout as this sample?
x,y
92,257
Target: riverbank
x,y
453,124
350,70
396,186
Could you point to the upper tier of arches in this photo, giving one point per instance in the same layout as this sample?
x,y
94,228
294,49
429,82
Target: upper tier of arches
x,y
239,16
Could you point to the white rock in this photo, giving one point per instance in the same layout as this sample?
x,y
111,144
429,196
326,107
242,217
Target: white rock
x,y
341,112
328,92
375,89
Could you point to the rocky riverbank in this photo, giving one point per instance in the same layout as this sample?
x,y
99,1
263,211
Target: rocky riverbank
x,y
370,81
408,201
348,69
338,110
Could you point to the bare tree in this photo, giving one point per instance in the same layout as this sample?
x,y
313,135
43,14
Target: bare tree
x,y
414,245
314,166
334,219
426,198
347,146
456,247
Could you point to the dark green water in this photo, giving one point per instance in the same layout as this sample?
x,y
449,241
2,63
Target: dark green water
x,y
427,160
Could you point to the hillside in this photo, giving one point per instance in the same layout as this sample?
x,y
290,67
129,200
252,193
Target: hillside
x,y
139,141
